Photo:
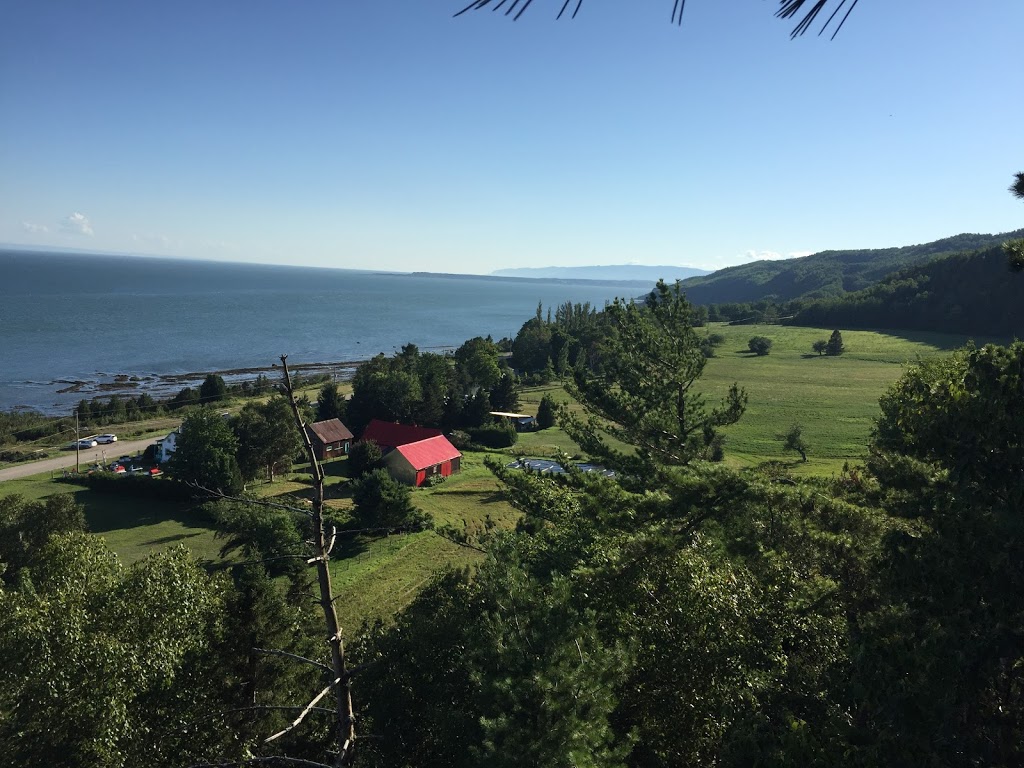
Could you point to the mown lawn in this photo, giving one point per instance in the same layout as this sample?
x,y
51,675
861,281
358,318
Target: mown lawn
x,y
132,527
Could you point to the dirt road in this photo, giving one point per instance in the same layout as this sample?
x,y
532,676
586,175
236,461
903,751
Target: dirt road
x,y
88,457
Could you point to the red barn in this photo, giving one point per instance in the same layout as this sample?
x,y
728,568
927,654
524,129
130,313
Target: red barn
x,y
415,463
389,435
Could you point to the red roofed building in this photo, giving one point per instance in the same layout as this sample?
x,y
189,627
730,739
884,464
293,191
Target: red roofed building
x,y
415,463
389,435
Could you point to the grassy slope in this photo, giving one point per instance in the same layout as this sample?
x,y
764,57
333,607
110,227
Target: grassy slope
x,y
835,399
827,273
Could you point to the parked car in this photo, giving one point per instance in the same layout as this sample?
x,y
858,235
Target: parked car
x,y
87,443
106,439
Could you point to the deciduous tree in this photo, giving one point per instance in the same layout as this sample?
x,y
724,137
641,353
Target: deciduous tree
x,y
266,438
760,345
206,453
793,440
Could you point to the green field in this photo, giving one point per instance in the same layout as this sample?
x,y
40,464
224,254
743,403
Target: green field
x,y
835,399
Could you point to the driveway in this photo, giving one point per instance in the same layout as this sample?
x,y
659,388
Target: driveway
x,y
88,457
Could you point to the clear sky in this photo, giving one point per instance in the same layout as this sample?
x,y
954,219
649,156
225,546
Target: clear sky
x,y
389,135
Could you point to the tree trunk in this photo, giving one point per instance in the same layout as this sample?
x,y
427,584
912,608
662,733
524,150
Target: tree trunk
x,y
346,733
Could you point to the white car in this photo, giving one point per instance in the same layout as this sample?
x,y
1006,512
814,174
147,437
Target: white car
x,y
87,443
106,439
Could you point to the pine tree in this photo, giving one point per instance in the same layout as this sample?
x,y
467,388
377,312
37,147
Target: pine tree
x,y
329,404
835,344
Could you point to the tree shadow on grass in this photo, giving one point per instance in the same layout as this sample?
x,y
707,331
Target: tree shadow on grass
x,y
348,546
110,512
944,341
169,539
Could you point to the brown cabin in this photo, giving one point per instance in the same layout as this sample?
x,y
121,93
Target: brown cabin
x,y
330,438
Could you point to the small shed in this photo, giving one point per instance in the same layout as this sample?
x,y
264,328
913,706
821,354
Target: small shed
x,y
330,438
415,463
390,435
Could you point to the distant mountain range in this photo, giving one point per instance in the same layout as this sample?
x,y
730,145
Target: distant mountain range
x,y
615,272
826,274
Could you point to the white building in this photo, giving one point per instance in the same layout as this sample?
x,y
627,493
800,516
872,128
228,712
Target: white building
x,y
166,447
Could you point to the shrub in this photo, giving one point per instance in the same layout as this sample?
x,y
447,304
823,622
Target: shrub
x,y
501,435
760,345
460,439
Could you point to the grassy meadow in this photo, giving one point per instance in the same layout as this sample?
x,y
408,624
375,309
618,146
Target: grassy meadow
x,y
835,399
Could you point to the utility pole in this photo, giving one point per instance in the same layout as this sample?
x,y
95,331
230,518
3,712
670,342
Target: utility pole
x,y
78,446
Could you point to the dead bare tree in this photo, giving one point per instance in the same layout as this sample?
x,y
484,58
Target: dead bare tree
x,y
340,686
337,674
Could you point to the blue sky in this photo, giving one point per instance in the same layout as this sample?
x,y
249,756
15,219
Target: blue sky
x,y
390,135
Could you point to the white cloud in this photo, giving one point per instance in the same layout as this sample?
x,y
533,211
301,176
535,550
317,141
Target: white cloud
x,y
77,223
762,256
28,226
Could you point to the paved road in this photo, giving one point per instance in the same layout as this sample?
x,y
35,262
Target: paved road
x,y
90,456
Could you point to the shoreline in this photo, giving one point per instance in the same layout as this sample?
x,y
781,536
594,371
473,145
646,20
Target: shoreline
x,y
165,385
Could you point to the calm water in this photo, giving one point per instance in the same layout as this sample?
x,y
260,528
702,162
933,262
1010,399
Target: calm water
x,y
71,317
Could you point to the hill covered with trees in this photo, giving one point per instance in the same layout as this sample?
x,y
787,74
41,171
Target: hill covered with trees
x,y
963,293
826,274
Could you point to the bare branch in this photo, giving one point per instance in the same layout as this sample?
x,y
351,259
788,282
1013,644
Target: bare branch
x,y
302,715
285,654
277,759
216,494
273,707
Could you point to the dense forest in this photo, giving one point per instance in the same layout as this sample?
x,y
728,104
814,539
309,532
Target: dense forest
x,y
825,274
680,613
963,293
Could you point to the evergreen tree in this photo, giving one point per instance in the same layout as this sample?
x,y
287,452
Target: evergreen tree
x,y
213,389
329,403
505,394
267,438
546,412
835,344
383,502
645,395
